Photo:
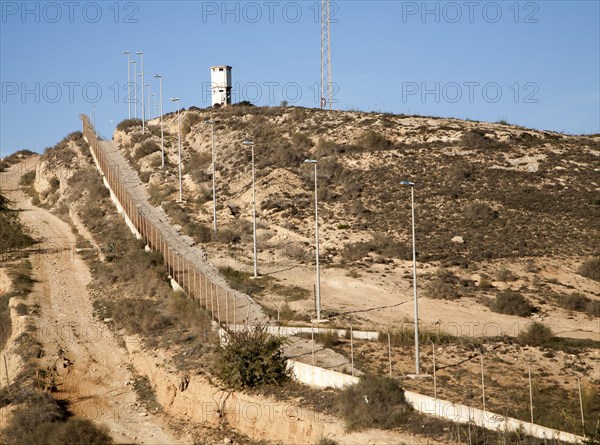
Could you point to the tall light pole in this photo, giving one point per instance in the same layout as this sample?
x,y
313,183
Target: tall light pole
x,y
318,278
147,85
414,252
251,144
135,88
141,54
153,106
128,53
176,99
162,134
214,172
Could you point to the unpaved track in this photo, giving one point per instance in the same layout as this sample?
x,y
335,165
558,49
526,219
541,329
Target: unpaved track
x,y
89,367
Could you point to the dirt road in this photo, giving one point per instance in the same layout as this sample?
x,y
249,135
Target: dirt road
x,y
88,367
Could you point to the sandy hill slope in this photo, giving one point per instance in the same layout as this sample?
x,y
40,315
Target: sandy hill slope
x,y
498,207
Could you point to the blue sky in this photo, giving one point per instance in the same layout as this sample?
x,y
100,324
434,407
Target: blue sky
x,y
533,63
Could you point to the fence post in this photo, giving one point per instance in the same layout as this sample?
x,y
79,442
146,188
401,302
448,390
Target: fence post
x,y
352,349
581,405
390,352
312,336
212,301
217,298
226,308
434,375
530,391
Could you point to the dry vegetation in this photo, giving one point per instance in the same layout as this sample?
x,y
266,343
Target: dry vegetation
x,y
497,207
512,194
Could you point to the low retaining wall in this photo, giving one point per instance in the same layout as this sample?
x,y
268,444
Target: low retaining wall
x,y
289,331
320,377
464,414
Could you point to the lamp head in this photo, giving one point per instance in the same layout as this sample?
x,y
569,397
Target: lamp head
x,y
247,143
310,161
407,183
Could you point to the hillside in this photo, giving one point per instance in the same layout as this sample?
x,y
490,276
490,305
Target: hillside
x,y
497,206
518,260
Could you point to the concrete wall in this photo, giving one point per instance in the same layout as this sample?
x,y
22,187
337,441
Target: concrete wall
x,y
464,414
320,377
288,331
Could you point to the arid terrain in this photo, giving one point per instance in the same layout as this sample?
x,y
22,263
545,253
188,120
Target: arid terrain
x,y
507,265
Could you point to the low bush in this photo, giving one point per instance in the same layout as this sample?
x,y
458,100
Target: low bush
x,y
242,281
198,166
375,402
27,179
147,148
42,420
440,290
536,334
512,303
580,303
479,212
373,141
505,275
13,234
252,358
590,269
127,124
380,244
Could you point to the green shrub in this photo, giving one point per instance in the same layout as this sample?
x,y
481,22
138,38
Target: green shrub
x,y
198,166
480,212
440,290
536,334
252,358
590,269
512,303
13,234
127,124
147,148
505,275
574,302
372,140
580,303
301,141
41,420
381,244
27,179
375,402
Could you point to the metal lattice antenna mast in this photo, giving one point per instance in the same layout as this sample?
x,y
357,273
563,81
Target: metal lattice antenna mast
x,y
326,79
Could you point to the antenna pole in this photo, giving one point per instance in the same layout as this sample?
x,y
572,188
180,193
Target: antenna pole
x,y
326,77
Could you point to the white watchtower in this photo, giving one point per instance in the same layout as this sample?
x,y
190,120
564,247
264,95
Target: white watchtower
x,y
220,79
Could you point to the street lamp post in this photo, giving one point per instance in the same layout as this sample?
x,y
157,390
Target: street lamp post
x,y
148,95
152,105
162,134
214,172
141,54
128,53
176,99
318,278
135,88
414,252
251,144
